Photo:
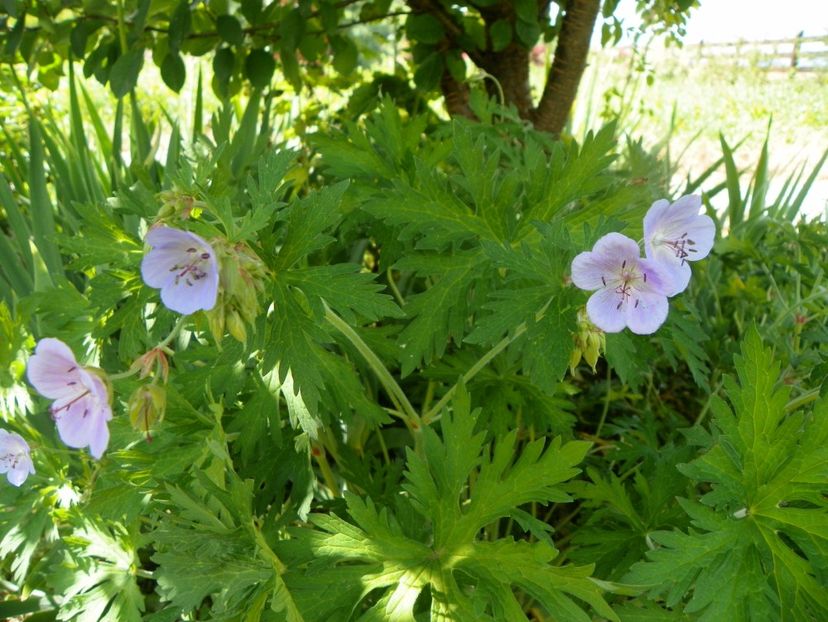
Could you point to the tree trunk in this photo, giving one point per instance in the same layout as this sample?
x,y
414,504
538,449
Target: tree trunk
x,y
510,67
568,65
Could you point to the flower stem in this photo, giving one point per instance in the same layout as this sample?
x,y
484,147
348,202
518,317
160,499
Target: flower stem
x,y
162,345
805,398
395,392
435,413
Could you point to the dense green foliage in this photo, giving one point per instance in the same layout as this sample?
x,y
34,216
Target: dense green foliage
x,y
390,429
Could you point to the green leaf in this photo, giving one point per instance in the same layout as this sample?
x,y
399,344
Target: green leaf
x,y
124,73
309,222
345,54
424,28
181,23
429,71
229,29
173,71
102,586
458,485
528,32
44,231
259,67
527,10
501,34
760,540
348,291
439,313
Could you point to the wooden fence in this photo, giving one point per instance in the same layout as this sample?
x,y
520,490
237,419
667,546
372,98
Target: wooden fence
x,y
799,53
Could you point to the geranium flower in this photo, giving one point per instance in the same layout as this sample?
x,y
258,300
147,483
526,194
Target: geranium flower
x,y
675,234
81,407
184,267
15,460
630,291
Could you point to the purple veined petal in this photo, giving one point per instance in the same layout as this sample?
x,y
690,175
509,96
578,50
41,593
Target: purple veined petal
x,y
591,270
158,266
15,460
99,439
53,370
187,297
665,277
617,246
78,424
703,232
83,421
587,270
646,311
602,309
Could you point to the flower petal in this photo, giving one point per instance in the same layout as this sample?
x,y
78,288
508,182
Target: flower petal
x,y
157,266
602,309
703,233
79,425
186,299
53,370
168,237
652,219
665,277
590,270
100,435
648,314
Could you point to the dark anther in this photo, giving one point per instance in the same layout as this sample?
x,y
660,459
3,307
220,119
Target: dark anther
x,y
205,255
191,250
623,264
71,369
636,303
604,281
645,277
691,242
70,383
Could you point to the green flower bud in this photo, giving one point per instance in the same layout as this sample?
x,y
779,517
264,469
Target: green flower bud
x,y
146,407
236,327
589,342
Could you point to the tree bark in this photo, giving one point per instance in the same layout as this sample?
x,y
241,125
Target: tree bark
x,y
567,66
510,67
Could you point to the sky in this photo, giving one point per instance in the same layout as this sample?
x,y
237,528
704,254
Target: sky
x,y
748,20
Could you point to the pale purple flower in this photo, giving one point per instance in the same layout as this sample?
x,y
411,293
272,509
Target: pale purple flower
x,y
184,267
630,291
15,460
675,234
81,408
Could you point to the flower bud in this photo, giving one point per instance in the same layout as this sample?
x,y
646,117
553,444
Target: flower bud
x,y
242,278
589,342
216,319
146,407
236,327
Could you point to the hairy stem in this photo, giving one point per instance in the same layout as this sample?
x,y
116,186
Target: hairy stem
x,y
395,392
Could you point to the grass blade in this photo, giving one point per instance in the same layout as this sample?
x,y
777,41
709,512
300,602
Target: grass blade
x,y
735,209
43,219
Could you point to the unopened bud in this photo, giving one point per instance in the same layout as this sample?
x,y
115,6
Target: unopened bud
x,y
216,320
236,327
146,407
589,342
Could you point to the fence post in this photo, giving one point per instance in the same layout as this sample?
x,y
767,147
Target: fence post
x,y
795,52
